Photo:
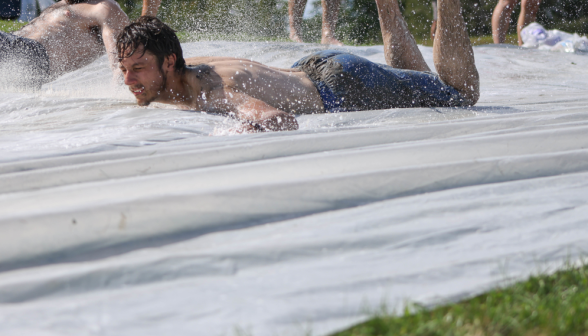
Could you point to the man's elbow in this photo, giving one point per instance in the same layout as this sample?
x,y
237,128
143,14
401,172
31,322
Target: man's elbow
x,y
281,122
287,122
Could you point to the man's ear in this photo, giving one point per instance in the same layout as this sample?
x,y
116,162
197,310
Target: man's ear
x,y
170,62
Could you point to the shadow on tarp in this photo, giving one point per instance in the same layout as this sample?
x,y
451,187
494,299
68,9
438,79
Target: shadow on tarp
x,y
161,221
486,109
73,254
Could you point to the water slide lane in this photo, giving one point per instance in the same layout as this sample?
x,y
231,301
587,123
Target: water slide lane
x,y
122,220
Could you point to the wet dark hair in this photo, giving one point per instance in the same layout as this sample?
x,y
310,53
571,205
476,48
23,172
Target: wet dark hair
x,y
152,35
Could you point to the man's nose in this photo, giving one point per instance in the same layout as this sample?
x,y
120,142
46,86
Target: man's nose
x,y
130,78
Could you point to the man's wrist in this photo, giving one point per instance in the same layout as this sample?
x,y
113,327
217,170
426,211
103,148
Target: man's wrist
x,y
254,126
277,123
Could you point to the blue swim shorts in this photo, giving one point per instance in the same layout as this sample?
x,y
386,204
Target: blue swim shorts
x,y
23,62
347,82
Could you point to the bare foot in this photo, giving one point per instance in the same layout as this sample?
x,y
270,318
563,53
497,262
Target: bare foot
x,y
295,37
331,41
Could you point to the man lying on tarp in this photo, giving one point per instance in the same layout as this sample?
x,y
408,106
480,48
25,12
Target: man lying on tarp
x,y
66,36
265,98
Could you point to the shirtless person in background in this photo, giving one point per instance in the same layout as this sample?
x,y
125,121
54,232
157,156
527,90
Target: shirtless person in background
x,y
265,98
66,36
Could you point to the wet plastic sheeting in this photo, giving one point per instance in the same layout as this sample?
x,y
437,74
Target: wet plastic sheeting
x,y
121,220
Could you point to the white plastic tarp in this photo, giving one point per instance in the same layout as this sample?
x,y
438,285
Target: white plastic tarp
x,y
122,220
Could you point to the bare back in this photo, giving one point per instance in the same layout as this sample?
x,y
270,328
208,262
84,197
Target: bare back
x,y
289,90
75,35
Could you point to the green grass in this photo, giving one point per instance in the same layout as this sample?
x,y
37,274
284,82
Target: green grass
x,y
475,40
195,37
478,40
9,26
185,36
544,305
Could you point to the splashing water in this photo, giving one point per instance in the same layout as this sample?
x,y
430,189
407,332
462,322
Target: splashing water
x,y
118,219
84,111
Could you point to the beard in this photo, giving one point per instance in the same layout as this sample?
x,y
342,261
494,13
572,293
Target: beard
x,y
158,91
144,102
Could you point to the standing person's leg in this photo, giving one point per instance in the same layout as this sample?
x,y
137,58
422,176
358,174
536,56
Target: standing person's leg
x,y
150,7
452,52
330,15
529,9
400,48
295,13
434,24
501,20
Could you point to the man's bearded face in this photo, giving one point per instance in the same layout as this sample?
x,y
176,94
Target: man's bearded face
x,y
144,76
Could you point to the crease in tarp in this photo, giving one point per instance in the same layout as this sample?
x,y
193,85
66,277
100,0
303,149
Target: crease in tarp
x,y
119,220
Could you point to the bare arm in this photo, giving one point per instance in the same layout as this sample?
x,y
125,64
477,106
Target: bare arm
x,y
150,7
113,21
258,116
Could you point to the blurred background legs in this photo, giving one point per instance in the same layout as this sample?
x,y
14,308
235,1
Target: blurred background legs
x,y
502,16
529,9
150,7
329,16
434,24
295,14
501,20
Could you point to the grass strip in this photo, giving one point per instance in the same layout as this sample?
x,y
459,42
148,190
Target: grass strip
x,y
185,36
8,26
475,40
544,305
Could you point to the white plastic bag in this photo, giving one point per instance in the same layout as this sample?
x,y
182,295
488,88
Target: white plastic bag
x,y
536,36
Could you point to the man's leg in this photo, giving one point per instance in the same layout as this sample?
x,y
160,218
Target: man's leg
x,y
330,15
501,20
400,48
529,9
295,13
452,52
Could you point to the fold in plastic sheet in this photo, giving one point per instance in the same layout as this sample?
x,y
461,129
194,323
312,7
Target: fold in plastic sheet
x,y
119,220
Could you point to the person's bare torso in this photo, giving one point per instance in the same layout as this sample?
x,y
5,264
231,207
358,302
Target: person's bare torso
x,y
289,90
71,34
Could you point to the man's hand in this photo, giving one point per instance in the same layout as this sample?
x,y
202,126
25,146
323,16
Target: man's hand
x,y
287,123
280,122
258,116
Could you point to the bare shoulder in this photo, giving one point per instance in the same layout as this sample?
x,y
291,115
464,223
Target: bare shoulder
x,y
104,10
229,69
104,4
233,72
216,60
236,64
232,68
